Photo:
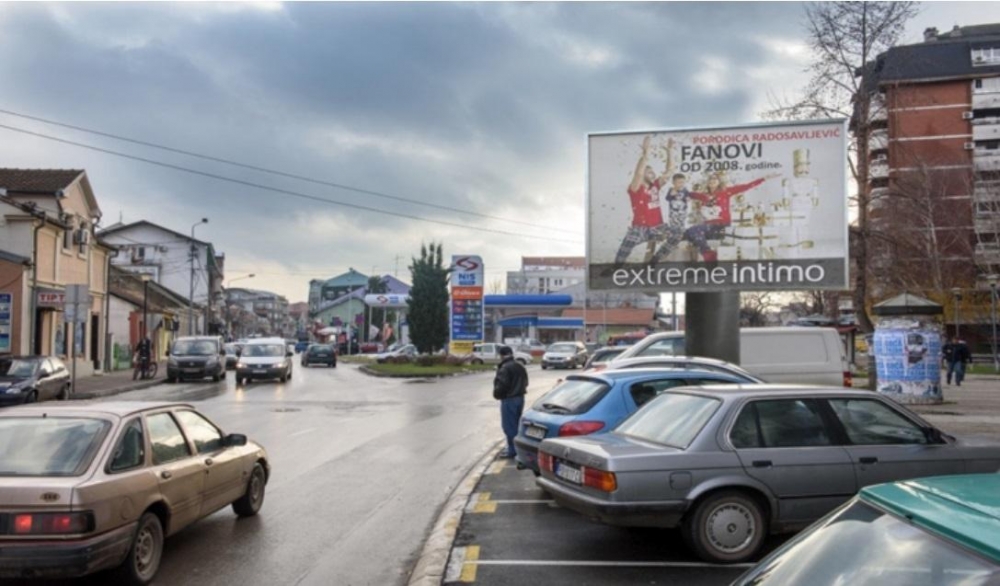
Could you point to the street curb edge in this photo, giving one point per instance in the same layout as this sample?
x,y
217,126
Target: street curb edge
x,y
137,386
430,567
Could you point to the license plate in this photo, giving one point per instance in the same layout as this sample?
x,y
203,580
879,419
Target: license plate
x,y
569,473
192,369
534,431
259,371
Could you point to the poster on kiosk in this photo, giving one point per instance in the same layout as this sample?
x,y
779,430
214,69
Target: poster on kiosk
x,y
761,207
466,305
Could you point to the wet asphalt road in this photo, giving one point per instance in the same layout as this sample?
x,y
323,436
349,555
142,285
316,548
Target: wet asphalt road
x,y
361,467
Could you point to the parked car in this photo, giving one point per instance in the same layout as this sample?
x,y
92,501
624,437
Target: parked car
x,y
797,355
302,346
588,404
729,465
26,379
689,362
232,355
527,345
196,357
371,347
489,353
92,487
408,350
264,358
600,358
320,354
565,355
940,531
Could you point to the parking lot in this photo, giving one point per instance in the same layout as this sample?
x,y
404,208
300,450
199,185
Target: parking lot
x,y
513,533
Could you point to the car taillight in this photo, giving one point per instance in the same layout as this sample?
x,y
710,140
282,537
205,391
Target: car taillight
x,y
545,461
52,523
580,428
599,479
848,379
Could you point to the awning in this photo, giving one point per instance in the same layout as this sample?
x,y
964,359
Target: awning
x,y
543,323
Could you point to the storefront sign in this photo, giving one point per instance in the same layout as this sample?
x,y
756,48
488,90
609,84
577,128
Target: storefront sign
x,y
51,298
466,306
713,209
6,317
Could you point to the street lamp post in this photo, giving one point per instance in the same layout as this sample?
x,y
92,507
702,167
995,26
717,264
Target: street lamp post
x,y
957,292
191,290
992,280
145,303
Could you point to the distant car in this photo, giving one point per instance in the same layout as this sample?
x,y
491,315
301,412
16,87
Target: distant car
x,y
590,404
88,487
26,379
232,355
600,357
489,353
371,347
565,355
196,357
689,362
400,351
264,358
302,345
940,531
320,354
527,345
729,465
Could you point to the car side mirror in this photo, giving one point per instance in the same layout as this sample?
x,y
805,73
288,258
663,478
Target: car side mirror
x,y
234,440
933,435
42,374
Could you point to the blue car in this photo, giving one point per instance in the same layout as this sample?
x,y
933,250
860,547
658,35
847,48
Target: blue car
x,y
302,346
596,403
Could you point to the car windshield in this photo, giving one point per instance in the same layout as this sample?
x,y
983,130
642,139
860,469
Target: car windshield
x,y
863,546
672,419
194,348
48,446
569,348
319,348
231,349
572,397
19,368
263,350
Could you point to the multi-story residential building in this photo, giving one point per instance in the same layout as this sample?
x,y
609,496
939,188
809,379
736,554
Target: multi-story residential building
x,y
934,166
47,219
270,311
546,274
175,261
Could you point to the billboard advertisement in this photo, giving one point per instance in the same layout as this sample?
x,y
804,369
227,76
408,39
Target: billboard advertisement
x,y
746,208
466,304
908,361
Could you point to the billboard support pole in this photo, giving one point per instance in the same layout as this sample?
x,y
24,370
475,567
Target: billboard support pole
x,y
713,325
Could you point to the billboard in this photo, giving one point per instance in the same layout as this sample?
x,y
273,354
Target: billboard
x,y
908,361
746,208
466,304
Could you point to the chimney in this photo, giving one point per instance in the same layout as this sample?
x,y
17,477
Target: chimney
x,y
956,31
930,34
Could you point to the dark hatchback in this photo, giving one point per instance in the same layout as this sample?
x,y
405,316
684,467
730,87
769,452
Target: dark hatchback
x,y
27,379
197,357
320,354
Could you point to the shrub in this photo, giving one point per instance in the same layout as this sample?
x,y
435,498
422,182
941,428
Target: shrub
x,y
430,360
399,360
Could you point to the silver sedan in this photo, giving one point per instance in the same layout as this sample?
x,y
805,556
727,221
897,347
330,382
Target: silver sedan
x,y
731,464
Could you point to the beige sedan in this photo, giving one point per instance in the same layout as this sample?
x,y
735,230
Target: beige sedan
x,y
90,486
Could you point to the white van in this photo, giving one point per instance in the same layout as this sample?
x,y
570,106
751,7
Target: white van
x,y
800,355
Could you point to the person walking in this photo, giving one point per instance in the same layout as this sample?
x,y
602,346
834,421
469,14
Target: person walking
x,y
509,387
956,355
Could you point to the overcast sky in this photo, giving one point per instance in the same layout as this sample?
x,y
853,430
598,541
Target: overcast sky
x,y
479,108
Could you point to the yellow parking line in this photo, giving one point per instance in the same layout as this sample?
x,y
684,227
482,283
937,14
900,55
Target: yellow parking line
x,y
469,564
496,467
481,503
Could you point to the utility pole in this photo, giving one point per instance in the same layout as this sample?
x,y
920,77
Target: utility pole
x,y
191,290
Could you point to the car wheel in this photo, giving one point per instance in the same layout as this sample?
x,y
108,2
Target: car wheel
x,y
249,504
64,393
726,527
144,556
333,364
283,378
545,366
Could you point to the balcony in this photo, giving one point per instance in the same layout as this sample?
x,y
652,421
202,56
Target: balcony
x,y
987,224
987,160
876,109
986,131
878,169
878,140
987,191
987,253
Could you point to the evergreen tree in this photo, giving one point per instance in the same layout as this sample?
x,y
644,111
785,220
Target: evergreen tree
x,y
428,305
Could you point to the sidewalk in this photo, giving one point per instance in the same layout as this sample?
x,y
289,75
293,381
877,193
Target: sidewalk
x,y
113,383
971,409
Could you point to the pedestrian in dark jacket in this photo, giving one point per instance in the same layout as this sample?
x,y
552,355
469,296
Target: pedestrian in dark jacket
x,y
957,356
509,386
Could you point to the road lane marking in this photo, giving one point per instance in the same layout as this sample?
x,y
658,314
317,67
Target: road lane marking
x,y
524,502
604,564
461,566
496,468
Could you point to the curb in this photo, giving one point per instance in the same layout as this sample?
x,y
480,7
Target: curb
x,y
376,374
137,386
430,567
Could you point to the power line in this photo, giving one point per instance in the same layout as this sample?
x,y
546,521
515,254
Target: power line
x,y
280,173
278,189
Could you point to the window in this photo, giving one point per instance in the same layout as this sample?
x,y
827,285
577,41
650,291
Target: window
x,y
868,422
673,419
57,365
46,368
131,449
667,347
67,238
784,423
166,439
49,446
646,391
986,56
572,397
986,86
206,437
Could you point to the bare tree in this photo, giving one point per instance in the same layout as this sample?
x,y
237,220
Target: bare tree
x,y
755,307
496,286
845,38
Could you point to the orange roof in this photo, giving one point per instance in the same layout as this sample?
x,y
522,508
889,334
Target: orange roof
x,y
619,316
